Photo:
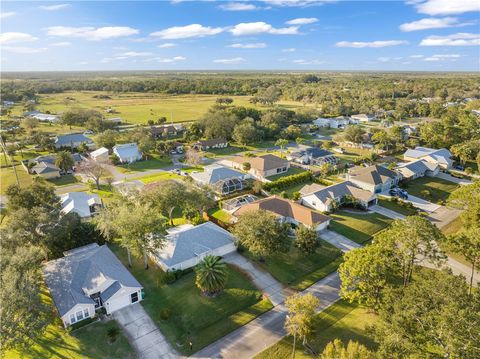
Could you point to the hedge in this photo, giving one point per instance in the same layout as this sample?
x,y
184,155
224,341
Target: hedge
x,y
285,182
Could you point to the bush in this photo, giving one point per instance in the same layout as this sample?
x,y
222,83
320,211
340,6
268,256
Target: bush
x,y
81,323
468,170
288,181
113,333
165,314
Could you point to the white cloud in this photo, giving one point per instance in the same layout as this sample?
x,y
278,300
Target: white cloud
x,y
375,44
432,23
416,56
307,62
300,3
302,21
62,44
167,60
384,59
91,33
188,31
258,45
238,6
15,37
83,63
128,54
446,7
260,27
4,15
291,49
54,7
24,50
166,45
458,39
443,57
235,60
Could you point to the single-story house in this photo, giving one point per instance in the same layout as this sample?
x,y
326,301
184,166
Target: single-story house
x,y
261,167
418,168
312,156
163,131
373,178
178,147
441,157
89,278
336,122
288,211
222,180
45,170
205,145
100,155
187,245
116,120
82,203
73,140
127,153
363,117
323,198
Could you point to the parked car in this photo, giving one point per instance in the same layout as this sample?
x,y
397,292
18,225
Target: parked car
x,y
398,192
459,168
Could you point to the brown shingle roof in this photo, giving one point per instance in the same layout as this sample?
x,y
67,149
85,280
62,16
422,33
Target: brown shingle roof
x,y
263,163
285,208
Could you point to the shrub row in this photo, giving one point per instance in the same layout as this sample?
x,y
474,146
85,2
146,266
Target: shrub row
x,y
288,181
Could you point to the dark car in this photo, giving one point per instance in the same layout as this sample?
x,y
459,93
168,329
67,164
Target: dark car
x,y
459,167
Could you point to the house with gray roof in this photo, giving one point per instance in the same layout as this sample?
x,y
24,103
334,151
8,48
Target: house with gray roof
x,y
187,245
418,168
127,153
73,140
84,204
441,157
324,198
45,170
373,178
89,278
221,179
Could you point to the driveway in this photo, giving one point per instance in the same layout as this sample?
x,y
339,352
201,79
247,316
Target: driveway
x,y
443,216
422,204
262,279
339,241
143,334
386,212
450,178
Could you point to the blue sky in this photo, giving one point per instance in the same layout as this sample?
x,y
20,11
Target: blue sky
x,y
414,35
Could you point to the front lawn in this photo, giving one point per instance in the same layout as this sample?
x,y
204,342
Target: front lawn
x,y
431,188
227,151
64,180
157,177
7,177
342,321
188,316
295,188
358,226
299,270
154,162
398,207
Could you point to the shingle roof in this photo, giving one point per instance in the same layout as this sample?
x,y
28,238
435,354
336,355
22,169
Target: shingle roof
x,y
127,150
99,152
188,242
262,163
372,174
44,167
212,142
418,167
67,140
214,173
285,208
79,202
338,190
83,272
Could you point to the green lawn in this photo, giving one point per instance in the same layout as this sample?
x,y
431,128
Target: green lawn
x,y
230,150
7,177
220,214
299,270
193,317
64,180
453,227
295,188
439,189
154,162
397,207
342,320
291,171
359,227
162,176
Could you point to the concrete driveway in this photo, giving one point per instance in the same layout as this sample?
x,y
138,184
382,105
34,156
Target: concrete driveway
x,y
443,216
386,212
262,279
450,178
422,204
143,334
339,241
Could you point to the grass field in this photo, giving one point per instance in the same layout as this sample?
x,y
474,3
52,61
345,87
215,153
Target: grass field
x,y
342,320
299,270
138,108
7,177
359,227
194,317
220,215
154,162
397,207
438,189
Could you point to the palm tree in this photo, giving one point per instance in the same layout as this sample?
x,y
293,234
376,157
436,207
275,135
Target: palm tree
x,y
281,143
64,161
211,275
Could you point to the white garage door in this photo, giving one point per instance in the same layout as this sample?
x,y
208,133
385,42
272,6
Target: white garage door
x,y
118,303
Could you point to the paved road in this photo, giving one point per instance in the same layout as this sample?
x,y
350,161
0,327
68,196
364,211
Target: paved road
x,y
450,178
339,241
143,334
386,212
71,188
262,279
267,329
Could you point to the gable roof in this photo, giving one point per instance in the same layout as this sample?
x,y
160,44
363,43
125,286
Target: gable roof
x,y
420,152
330,193
262,163
99,152
85,271
416,167
188,242
285,208
44,167
214,173
79,202
211,142
163,129
372,174
127,150
67,140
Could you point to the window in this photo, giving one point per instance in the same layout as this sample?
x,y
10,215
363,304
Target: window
x,y
284,169
134,297
79,315
86,314
72,318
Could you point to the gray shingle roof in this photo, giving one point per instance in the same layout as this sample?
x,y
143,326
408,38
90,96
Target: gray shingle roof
x,y
338,190
67,140
187,242
85,270
372,174
214,173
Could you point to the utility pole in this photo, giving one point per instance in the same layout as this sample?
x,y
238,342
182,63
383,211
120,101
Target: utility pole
x,y
4,148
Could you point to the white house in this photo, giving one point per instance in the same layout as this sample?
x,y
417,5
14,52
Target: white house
x,y
441,157
73,140
100,155
363,117
337,122
187,245
127,153
418,168
82,203
87,279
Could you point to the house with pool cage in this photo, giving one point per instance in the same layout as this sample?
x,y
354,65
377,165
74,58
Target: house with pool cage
x,y
221,179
